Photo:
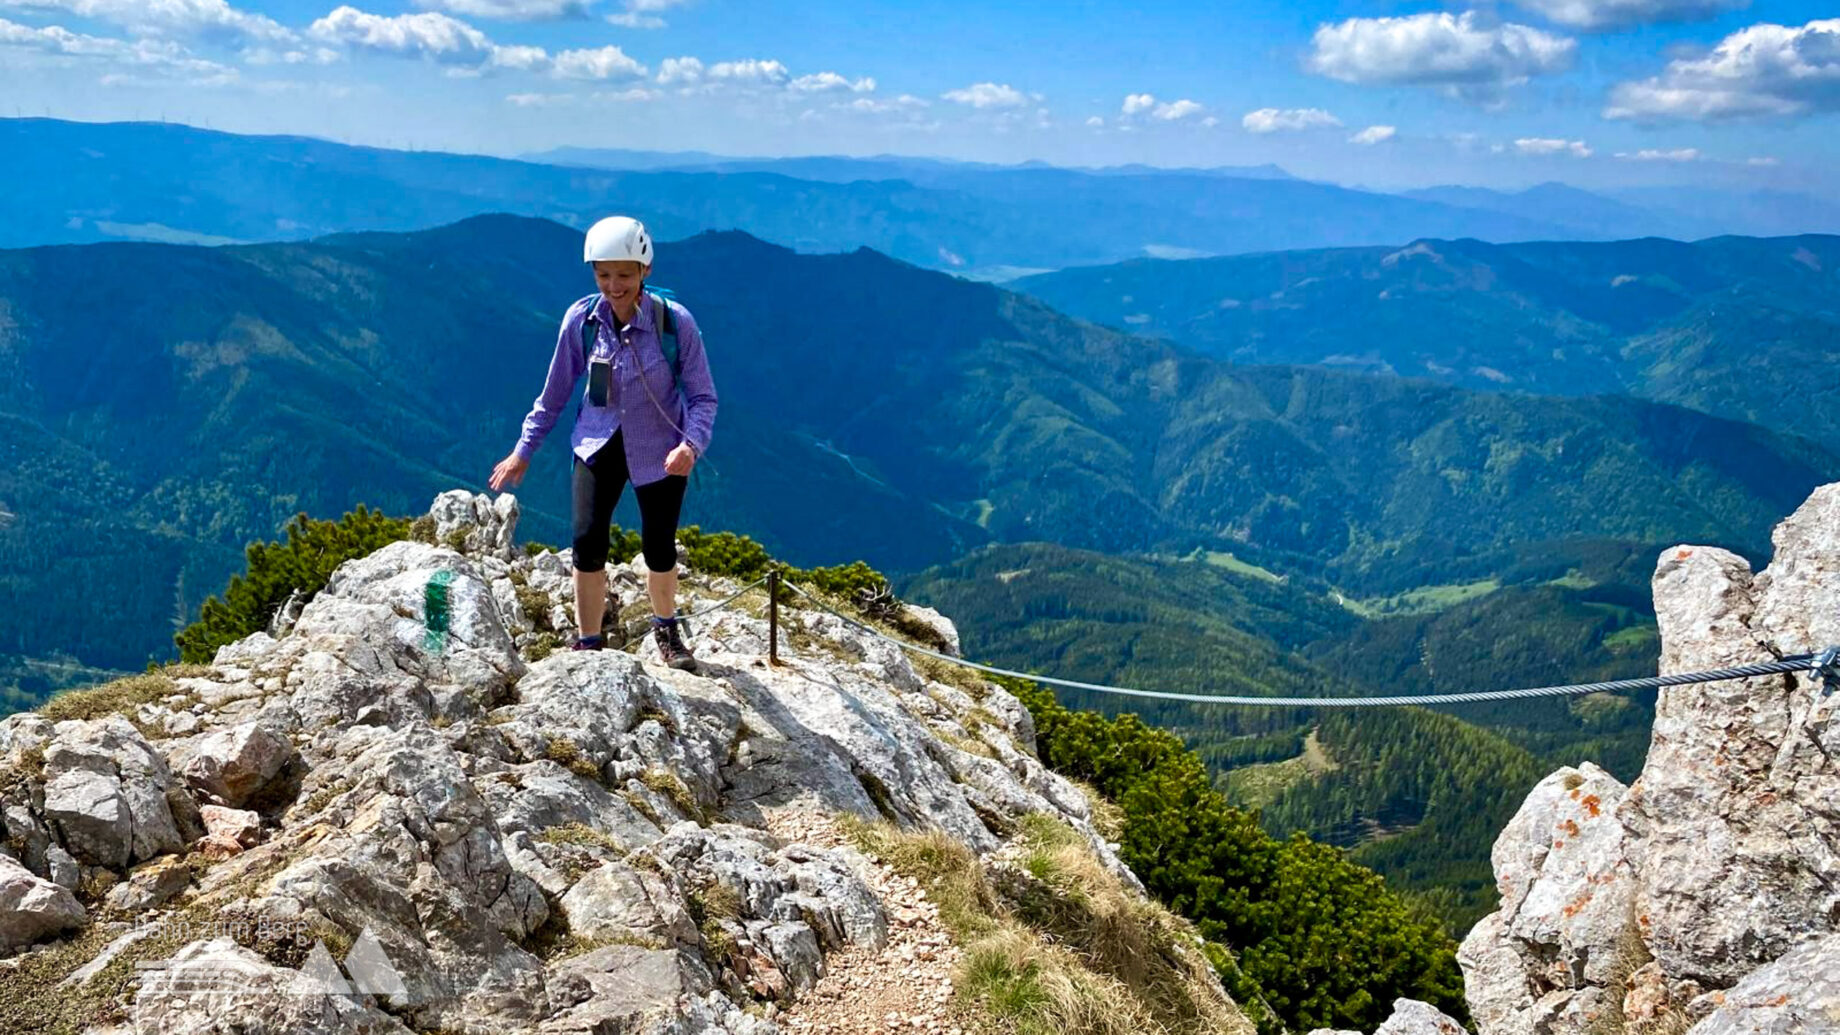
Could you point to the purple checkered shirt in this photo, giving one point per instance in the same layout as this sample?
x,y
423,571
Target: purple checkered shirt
x,y
650,435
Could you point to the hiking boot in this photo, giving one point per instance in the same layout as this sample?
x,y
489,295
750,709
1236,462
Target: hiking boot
x,y
589,643
671,645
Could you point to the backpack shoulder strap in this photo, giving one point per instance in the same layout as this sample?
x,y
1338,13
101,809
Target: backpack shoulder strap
x,y
666,322
590,325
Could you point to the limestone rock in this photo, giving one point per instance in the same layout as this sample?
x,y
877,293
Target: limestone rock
x,y
240,826
32,908
474,814
1799,992
476,524
937,622
1411,1017
234,765
1717,864
108,795
150,885
209,985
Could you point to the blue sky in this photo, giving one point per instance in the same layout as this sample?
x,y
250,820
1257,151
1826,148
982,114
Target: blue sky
x,y
1601,93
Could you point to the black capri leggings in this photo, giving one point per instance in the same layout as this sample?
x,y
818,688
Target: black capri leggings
x,y
597,487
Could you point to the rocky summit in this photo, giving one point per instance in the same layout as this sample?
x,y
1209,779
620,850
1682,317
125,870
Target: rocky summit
x,y
403,809
1705,896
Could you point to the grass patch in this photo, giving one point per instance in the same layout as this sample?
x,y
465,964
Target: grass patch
x,y
1228,562
665,782
1021,985
1057,945
1421,601
580,834
953,878
120,697
657,715
708,908
543,646
567,755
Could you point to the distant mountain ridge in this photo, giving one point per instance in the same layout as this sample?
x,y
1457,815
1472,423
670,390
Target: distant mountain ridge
x,y
97,182
238,385
1732,326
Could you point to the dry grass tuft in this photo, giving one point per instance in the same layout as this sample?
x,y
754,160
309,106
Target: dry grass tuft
x,y
1058,945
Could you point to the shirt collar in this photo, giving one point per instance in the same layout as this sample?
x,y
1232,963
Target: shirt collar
x,y
642,320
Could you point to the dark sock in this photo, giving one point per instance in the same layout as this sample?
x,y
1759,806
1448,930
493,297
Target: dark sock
x,y
664,621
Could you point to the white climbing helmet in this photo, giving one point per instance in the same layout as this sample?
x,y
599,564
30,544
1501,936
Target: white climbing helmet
x,y
618,239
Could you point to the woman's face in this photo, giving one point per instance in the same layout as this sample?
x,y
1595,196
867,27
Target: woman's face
x,y
621,282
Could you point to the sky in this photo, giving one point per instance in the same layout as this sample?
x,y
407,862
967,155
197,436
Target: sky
x,y
1598,93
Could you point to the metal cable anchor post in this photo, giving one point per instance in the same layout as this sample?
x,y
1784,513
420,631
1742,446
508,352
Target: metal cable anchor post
x,y
1827,665
773,616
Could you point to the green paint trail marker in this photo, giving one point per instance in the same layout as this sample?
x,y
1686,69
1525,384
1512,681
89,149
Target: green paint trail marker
x,y
437,610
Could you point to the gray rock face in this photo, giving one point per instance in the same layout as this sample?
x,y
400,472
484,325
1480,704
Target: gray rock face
x,y
1722,857
1411,1017
32,908
151,885
210,985
231,766
578,844
108,795
1800,992
476,524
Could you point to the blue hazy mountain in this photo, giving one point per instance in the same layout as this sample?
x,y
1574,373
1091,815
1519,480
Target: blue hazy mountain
x,y
222,389
1582,215
95,182
1733,326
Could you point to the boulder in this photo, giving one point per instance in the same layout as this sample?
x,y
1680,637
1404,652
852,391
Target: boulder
x,y
233,766
1799,992
476,524
109,797
32,908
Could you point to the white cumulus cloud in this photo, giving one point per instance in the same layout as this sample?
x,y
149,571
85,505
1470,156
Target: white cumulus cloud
x,y
831,82
1457,53
680,71
1681,154
1177,110
644,14
988,95
1595,15
162,57
751,72
511,10
211,18
1764,70
431,35
1552,146
1275,120
1763,161
1374,135
907,102
1138,102
598,63
1096,122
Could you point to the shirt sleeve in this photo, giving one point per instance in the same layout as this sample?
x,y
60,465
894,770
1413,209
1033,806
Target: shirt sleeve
x,y
699,387
565,369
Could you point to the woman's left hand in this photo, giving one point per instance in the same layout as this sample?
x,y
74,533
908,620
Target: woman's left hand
x,y
680,459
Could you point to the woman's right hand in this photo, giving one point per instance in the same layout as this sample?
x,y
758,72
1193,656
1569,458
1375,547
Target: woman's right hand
x,y
508,473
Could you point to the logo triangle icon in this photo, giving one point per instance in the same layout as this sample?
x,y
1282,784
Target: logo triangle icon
x,y
370,967
319,975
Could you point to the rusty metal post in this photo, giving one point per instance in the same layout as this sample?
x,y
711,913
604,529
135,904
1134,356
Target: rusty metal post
x,y
773,616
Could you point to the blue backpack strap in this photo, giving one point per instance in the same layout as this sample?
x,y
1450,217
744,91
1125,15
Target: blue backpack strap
x,y
666,321
590,326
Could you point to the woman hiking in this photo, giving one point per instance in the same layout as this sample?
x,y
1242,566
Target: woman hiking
x,y
639,420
